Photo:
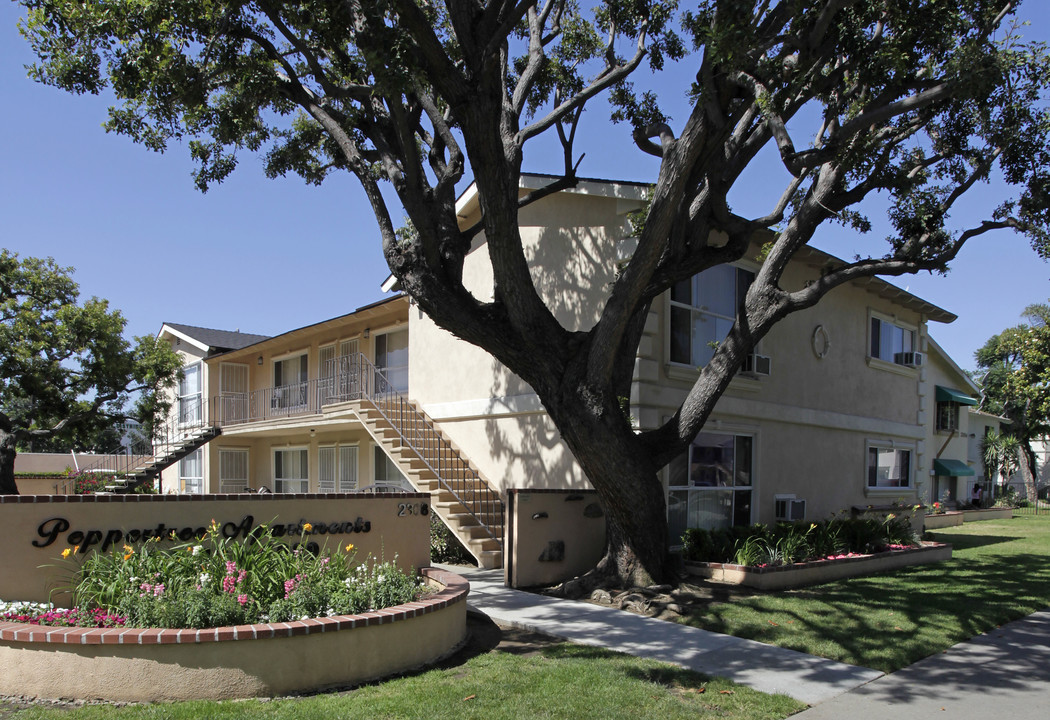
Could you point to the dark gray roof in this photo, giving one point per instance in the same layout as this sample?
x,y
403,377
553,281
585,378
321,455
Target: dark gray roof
x,y
219,340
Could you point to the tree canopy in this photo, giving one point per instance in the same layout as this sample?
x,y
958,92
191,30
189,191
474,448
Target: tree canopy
x,y
915,100
65,368
1016,383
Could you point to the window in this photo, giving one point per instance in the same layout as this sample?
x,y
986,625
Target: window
x,y
233,392
291,471
190,395
191,473
233,471
290,377
892,342
337,465
392,360
337,372
947,416
388,473
710,486
889,467
703,310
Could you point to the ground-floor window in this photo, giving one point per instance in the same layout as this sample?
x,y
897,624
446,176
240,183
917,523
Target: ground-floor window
x,y
291,470
233,470
711,485
191,473
337,468
889,467
387,473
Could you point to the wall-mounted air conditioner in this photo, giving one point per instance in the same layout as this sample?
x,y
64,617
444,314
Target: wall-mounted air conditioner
x,y
909,359
788,508
755,364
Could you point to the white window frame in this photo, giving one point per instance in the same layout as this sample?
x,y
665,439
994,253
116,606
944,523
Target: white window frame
x,y
400,371
193,398
896,447
341,481
732,490
698,310
192,484
296,397
234,485
894,322
950,413
279,483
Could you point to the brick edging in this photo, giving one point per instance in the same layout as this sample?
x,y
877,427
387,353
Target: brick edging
x,y
455,589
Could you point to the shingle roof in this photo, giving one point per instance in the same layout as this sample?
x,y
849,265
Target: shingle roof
x,y
219,340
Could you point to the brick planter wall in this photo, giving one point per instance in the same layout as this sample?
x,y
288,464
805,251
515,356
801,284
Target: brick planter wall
x,y
141,665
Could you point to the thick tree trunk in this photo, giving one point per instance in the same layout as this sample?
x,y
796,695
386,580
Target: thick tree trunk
x,y
7,467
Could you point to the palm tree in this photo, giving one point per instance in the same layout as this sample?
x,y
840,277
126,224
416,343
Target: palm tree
x,y
1001,456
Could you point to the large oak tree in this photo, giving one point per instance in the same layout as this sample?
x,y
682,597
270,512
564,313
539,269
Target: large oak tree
x,y
65,364
919,100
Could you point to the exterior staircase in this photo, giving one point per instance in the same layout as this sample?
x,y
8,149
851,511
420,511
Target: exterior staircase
x,y
125,472
462,498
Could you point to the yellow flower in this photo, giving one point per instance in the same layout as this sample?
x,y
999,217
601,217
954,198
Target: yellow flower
x,y
127,556
65,553
128,549
75,549
350,547
307,527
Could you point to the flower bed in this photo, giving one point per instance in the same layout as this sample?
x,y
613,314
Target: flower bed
x,y
788,576
266,659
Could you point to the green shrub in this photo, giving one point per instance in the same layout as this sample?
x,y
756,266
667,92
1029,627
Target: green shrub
x,y
445,547
794,542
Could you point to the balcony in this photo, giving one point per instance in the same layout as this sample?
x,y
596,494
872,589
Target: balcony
x,y
344,379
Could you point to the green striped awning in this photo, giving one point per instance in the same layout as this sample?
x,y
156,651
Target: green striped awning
x,y
953,468
947,394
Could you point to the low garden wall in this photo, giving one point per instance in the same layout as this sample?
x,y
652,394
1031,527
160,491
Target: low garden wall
x,y
36,529
785,577
953,518
943,520
261,660
988,514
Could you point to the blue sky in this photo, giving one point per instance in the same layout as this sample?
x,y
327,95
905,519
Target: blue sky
x,y
266,256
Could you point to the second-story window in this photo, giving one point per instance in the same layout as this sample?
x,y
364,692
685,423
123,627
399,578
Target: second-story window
x,y
892,342
703,310
947,416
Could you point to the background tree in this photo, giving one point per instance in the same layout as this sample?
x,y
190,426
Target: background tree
x,y
1001,455
64,365
1016,384
917,100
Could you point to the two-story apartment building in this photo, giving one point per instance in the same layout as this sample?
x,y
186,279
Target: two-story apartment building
x,y
833,411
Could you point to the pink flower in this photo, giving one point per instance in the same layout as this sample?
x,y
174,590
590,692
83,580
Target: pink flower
x,y
242,599
229,584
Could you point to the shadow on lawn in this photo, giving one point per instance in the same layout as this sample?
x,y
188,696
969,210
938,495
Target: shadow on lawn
x,y
891,621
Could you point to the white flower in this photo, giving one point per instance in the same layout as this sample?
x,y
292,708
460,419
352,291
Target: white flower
x,y
204,578
197,549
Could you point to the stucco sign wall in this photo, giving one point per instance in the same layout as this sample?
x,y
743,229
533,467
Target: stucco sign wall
x,y
36,529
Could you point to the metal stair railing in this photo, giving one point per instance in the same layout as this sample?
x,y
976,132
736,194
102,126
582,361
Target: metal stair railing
x,y
173,440
422,436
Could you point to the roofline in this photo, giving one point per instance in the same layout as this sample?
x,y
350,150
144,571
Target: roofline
x,y
954,365
183,336
363,308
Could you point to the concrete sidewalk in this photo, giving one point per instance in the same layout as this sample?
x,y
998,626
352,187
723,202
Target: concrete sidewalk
x,y
762,667
1002,674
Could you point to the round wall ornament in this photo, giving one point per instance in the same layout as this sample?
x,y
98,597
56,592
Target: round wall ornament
x,y
821,342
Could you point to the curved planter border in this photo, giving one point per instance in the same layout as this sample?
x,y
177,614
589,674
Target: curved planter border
x,y
140,665
786,577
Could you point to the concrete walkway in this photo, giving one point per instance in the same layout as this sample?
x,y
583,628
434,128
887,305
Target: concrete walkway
x,y
1004,673
762,667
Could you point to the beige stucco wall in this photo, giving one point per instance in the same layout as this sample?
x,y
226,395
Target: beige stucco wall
x,y
553,536
813,418
31,529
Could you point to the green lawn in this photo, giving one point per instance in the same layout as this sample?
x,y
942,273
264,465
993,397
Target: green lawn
x,y
560,681
1000,571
